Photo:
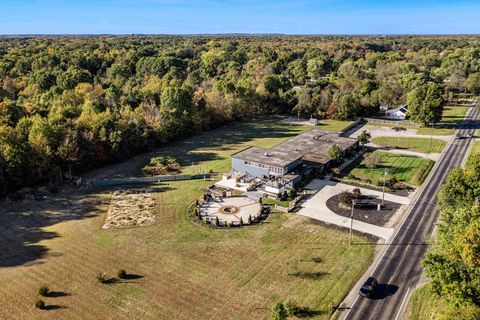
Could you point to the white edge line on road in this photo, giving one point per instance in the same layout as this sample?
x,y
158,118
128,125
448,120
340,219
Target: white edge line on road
x,y
346,315
403,302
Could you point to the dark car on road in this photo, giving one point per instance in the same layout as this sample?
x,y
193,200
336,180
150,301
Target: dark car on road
x,y
369,287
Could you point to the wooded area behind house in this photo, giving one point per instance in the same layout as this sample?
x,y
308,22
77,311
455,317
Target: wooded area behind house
x,y
68,104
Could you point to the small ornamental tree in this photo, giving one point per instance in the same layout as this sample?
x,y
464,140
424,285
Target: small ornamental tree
x,y
364,137
249,219
40,304
356,193
43,291
335,153
121,274
217,222
241,221
278,312
101,277
284,196
346,198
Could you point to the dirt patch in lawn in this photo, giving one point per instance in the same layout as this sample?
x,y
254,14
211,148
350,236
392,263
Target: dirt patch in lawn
x,y
130,208
366,210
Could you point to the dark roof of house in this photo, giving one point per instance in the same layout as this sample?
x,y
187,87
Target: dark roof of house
x,y
311,145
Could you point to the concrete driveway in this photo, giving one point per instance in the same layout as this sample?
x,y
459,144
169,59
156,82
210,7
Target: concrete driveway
x,y
316,207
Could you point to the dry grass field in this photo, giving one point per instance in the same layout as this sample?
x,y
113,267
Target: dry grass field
x,y
179,270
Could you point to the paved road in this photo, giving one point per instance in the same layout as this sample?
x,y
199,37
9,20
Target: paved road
x,y
398,269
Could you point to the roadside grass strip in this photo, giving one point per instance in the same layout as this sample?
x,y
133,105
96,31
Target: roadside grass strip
x,y
408,169
423,145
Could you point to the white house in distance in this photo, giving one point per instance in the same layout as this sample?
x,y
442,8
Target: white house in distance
x,y
399,113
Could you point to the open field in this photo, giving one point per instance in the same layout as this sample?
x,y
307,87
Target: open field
x,y
409,169
183,271
423,145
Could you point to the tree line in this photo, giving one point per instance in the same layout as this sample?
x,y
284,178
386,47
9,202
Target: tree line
x,y
453,263
68,104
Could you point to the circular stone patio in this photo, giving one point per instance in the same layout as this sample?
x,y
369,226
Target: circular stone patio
x,y
230,210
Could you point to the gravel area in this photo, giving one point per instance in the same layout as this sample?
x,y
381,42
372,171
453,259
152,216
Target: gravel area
x,y
365,212
130,208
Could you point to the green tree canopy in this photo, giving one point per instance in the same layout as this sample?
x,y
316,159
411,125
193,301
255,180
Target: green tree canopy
x,y
425,103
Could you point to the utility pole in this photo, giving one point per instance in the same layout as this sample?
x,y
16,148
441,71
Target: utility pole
x,y
351,224
431,139
384,178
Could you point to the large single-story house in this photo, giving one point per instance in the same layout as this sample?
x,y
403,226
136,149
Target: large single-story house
x,y
399,113
287,162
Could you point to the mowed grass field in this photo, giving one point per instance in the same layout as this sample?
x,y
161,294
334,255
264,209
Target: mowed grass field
x,y
423,145
454,114
409,169
183,271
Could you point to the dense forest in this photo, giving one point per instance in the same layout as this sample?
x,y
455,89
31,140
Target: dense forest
x,y
68,104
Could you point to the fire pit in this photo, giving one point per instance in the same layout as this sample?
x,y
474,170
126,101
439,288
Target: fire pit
x,y
229,209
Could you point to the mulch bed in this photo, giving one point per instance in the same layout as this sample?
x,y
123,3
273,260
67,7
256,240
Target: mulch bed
x,y
366,212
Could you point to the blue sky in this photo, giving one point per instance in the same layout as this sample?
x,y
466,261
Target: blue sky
x,y
241,16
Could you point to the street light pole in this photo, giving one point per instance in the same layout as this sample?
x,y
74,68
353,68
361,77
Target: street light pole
x,y
351,224
384,178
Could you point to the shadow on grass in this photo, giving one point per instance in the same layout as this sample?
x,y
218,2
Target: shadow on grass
x,y
57,294
110,281
54,307
309,275
22,225
131,276
305,312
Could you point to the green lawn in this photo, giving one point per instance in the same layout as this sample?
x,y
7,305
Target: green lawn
x,y
333,125
270,201
475,148
454,114
186,271
424,145
436,131
409,169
